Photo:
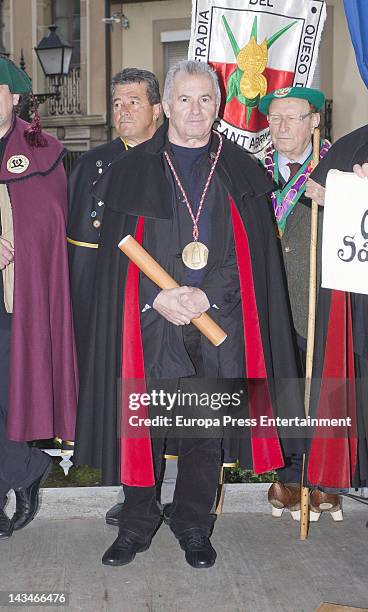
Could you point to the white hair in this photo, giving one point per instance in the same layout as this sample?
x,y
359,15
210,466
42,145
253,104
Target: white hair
x,y
190,67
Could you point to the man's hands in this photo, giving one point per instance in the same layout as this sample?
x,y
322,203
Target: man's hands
x,y
315,192
179,306
6,253
361,171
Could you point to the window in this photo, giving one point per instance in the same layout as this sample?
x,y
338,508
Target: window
x,y
66,16
176,45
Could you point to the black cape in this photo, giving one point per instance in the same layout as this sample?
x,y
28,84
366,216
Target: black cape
x,y
136,186
347,151
83,232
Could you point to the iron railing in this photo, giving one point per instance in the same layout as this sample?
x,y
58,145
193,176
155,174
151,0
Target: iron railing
x,y
70,159
69,102
326,127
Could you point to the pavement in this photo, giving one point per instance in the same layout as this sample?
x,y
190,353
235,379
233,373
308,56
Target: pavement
x,y
262,566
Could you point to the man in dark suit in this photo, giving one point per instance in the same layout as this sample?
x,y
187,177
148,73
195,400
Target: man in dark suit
x,y
293,115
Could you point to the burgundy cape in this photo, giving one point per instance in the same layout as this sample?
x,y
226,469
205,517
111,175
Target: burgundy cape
x,y
43,379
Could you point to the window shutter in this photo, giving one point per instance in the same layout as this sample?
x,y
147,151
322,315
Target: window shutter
x,y
175,52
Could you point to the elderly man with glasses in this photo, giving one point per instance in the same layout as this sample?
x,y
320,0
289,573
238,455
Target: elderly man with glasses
x,y
293,115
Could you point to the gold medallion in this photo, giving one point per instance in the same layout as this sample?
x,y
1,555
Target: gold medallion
x,y
195,255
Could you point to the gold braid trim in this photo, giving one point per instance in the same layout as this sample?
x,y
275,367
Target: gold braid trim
x,y
87,245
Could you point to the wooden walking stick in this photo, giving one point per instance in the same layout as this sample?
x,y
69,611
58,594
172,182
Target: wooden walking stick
x,y
304,514
220,492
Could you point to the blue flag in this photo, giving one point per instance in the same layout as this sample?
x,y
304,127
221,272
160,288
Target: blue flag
x,y
357,16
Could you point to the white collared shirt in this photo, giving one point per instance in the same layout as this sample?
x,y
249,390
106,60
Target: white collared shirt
x,y
284,169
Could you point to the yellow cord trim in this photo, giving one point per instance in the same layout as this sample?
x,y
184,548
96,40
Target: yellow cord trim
x,y
232,465
88,245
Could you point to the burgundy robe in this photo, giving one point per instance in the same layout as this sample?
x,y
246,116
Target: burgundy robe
x,y
43,374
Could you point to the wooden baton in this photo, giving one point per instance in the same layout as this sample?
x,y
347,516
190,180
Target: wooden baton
x,y
149,266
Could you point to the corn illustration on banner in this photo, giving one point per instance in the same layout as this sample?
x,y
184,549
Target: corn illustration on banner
x,y
255,46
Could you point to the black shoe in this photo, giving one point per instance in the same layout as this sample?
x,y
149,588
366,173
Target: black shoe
x,y
28,501
6,525
112,515
124,549
198,550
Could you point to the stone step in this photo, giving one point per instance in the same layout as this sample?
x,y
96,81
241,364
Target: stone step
x,y
92,502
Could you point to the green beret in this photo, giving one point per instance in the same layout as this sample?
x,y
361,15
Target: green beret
x,y
17,80
314,96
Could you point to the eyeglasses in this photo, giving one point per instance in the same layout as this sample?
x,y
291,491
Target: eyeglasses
x,y
291,120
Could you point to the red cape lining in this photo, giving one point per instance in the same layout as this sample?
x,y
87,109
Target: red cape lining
x,y
136,454
332,460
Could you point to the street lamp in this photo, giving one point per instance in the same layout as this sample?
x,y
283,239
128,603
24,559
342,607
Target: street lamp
x,y
54,54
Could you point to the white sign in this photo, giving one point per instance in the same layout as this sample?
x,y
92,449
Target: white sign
x,y
345,233
255,46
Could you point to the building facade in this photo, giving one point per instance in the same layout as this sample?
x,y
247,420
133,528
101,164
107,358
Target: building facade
x,y
107,36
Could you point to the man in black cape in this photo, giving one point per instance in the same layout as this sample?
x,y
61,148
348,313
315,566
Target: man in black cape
x,y
136,109
350,153
198,204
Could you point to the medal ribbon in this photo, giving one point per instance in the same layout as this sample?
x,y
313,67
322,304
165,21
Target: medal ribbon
x,y
195,219
284,200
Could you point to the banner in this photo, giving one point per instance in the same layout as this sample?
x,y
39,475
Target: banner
x,y
345,233
357,16
255,46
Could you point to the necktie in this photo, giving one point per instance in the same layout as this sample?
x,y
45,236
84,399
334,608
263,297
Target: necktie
x,y
294,167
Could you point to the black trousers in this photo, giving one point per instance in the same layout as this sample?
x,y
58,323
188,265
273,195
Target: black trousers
x,y
199,461
195,491
361,381
292,471
20,464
